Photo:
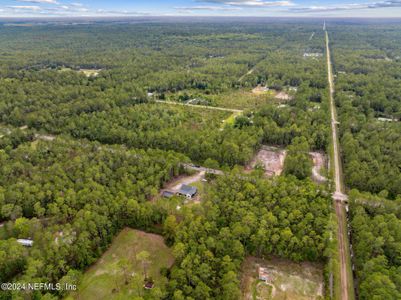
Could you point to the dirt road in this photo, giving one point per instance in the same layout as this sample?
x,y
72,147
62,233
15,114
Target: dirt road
x,y
200,106
175,185
338,196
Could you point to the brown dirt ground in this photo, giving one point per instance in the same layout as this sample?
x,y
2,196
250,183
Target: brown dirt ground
x,y
272,158
283,96
319,162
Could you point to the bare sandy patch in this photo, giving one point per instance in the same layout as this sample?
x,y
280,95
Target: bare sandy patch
x,y
283,96
260,90
271,158
318,164
90,72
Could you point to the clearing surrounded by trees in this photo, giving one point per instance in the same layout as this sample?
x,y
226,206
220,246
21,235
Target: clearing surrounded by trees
x,y
287,280
122,263
271,159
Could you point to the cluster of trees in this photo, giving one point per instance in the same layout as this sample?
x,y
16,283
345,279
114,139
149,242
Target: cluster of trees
x,y
298,161
245,216
369,88
196,133
281,125
376,239
13,137
71,198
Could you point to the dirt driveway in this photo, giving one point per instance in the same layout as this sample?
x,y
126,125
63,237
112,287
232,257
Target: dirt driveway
x,y
175,185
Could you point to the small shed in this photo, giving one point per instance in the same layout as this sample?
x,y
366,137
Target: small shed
x,y
188,191
264,274
168,194
25,242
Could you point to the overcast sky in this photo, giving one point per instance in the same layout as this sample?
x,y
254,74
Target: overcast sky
x,y
295,8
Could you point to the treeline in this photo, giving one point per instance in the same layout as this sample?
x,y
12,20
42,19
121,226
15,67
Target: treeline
x,y
71,198
376,239
245,216
281,125
369,107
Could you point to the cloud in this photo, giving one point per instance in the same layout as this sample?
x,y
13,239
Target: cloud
x,y
393,3
250,3
25,7
40,1
207,8
350,6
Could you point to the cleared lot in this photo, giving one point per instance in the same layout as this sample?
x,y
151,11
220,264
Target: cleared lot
x,y
287,280
271,159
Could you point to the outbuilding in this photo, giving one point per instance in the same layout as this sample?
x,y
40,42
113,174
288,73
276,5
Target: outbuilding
x,y
264,274
25,242
168,194
188,191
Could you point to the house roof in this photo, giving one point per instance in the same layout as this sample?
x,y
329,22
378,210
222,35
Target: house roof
x,y
188,190
25,242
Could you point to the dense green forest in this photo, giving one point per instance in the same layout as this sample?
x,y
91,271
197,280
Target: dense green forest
x,y
376,237
72,174
86,144
72,197
368,96
243,216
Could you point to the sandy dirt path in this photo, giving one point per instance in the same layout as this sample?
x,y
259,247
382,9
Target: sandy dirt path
x,y
175,185
338,196
200,106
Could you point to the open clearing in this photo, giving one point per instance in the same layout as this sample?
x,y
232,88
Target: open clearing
x,y
90,72
319,163
271,158
193,180
86,72
106,279
283,96
279,95
289,280
262,90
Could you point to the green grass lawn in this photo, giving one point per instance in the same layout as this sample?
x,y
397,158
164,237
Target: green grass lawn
x,y
290,280
107,278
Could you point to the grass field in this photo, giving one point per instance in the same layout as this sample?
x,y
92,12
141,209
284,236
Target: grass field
x,y
290,281
107,278
242,99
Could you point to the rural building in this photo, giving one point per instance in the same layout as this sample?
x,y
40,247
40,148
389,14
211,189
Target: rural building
x,y
24,242
168,194
264,274
188,191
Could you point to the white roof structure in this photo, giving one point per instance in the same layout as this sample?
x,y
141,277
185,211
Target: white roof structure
x,y
25,242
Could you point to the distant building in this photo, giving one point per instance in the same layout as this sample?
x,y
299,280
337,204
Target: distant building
x,y
24,242
314,55
188,191
168,194
264,274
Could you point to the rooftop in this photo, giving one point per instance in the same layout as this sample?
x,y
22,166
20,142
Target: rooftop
x,y
188,190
